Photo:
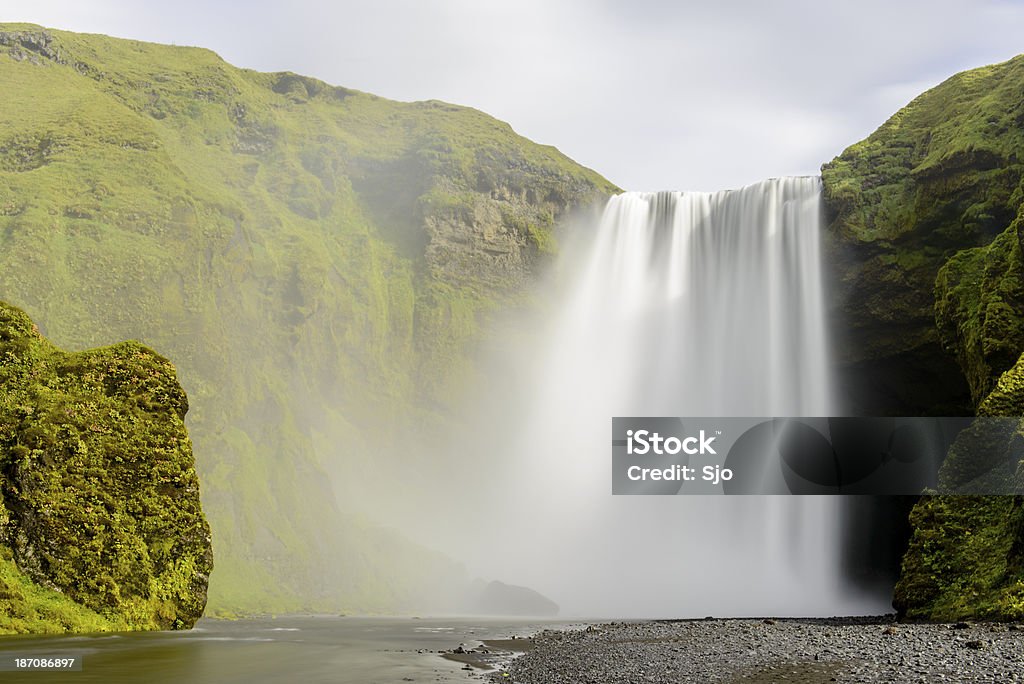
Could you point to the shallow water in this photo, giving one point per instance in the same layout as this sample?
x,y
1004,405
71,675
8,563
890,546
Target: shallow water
x,y
283,649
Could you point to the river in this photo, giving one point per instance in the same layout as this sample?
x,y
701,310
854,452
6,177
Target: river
x,y
340,650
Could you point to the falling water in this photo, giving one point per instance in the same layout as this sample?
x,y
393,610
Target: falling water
x,y
706,303
685,304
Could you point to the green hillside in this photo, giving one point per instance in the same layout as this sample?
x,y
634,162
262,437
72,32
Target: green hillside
x,y
318,262
926,240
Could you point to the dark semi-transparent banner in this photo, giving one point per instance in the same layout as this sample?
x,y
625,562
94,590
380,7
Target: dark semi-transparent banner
x,y
818,455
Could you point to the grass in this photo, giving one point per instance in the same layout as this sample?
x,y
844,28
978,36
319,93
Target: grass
x,y
27,608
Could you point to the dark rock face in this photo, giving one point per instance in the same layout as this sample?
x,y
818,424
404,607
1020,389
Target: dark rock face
x,y
925,231
30,45
99,498
498,598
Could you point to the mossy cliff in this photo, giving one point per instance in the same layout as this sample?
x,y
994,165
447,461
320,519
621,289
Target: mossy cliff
x,y
100,521
319,263
925,238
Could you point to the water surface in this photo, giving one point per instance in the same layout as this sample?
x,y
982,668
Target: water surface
x,y
285,649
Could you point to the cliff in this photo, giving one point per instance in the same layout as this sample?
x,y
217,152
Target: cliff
x,y
319,263
100,521
925,238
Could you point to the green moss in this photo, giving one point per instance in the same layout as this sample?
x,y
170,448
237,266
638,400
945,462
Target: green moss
x,y
966,560
966,557
27,608
1007,398
100,497
942,175
979,309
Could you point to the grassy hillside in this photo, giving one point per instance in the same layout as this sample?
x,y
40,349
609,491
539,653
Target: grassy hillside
x,y
317,261
942,175
926,236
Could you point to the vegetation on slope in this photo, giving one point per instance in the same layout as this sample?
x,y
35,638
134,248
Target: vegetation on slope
x,y
317,261
942,175
100,519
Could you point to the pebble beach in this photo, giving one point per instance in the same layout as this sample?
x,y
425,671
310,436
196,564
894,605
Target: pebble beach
x,y
771,650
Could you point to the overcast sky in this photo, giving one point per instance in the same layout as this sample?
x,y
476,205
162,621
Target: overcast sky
x,y
652,94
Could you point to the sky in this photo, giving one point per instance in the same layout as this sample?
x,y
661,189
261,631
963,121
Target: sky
x,y
655,95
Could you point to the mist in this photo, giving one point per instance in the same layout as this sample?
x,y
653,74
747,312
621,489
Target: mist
x,y
622,323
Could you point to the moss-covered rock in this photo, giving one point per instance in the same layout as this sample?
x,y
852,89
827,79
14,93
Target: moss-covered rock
x,y
942,175
979,309
966,560
100,519
966,555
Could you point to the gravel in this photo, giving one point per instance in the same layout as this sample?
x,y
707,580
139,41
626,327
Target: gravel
x,y
772,650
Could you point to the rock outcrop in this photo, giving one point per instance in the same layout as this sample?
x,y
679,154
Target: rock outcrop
x,y
941,176
925,237
100,520
498,598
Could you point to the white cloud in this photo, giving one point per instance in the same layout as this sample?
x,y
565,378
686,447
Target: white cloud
x,y
651,93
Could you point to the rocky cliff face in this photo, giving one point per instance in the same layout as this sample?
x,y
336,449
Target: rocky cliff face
x,y
100,521
926,238
319,263
941,176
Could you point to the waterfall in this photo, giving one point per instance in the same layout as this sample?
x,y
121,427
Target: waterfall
x,y
684,304
706,303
